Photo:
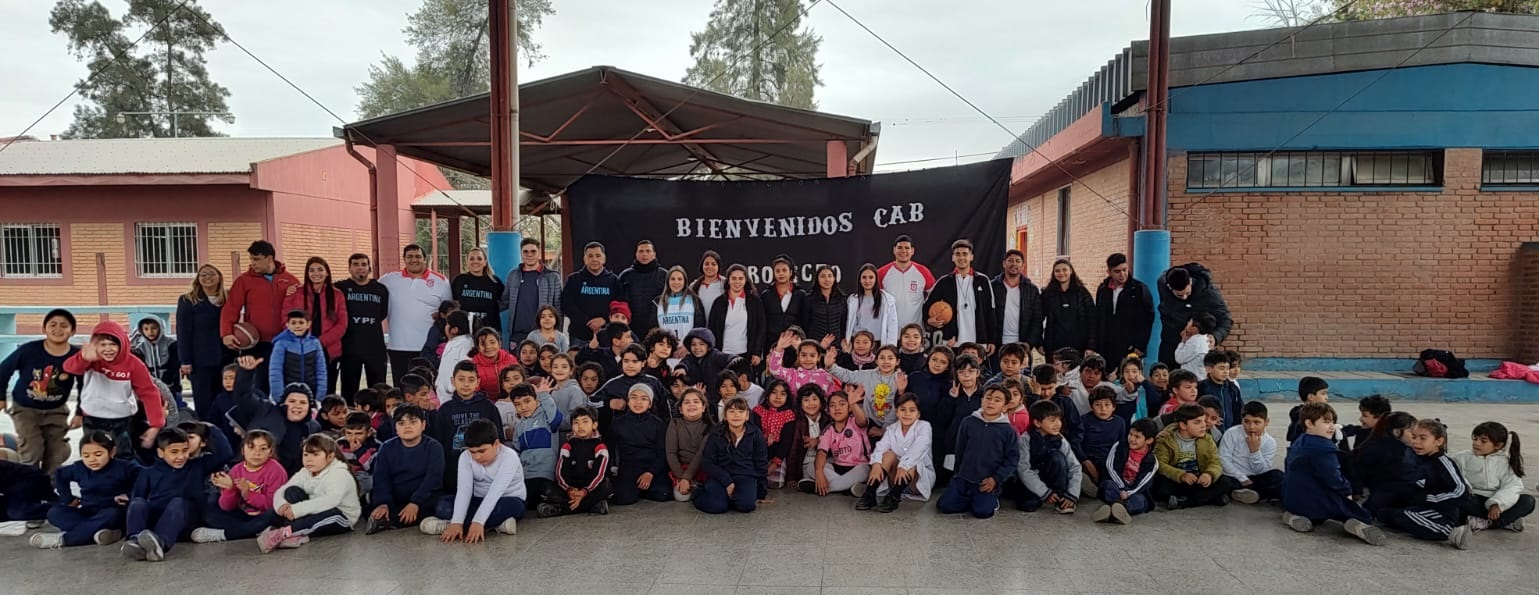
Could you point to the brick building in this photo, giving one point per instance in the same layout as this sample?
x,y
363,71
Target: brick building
x,y
1358,189
128,221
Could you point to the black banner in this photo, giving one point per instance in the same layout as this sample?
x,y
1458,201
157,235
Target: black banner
x,y
843,222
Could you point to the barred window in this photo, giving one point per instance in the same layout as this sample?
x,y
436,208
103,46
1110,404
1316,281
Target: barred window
x,y
30,251
166,250
1515,168
1313,169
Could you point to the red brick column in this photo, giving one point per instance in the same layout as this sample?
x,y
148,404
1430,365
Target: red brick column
x,y
1527,286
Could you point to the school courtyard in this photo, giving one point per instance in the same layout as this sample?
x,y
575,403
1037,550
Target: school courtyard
x,y
803,544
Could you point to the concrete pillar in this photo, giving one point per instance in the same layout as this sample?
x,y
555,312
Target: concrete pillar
x,y
1527,339
1152,257
387,200
838,159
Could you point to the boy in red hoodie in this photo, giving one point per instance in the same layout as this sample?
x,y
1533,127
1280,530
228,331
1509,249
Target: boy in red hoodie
x,y
117,392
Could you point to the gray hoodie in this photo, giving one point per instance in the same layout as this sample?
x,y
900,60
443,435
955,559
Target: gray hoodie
x,y
566,397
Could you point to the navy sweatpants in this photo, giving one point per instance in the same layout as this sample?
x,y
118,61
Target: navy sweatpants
x,y
1421,522
626,491
506,508
81,524
964,496
171,524
1054,471
712,497
239,525
1138,502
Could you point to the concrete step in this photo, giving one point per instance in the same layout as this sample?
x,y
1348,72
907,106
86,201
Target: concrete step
x,y
1351,385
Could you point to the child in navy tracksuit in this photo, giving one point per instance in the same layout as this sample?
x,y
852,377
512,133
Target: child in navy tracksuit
x,y
640,441
1047,468
97,515
408,474
25,495
167,500
1100,430
736,463
986,455
583,470
1313,488
1127,475
1434,514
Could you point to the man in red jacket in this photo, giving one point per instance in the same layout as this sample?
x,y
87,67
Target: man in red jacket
x,y
259,292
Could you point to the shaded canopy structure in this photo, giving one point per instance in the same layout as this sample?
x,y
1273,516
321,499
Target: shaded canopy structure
x,y
571,123
608,121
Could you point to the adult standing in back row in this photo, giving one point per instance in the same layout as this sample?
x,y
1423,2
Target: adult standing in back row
x,y
1125,311
363,345
415,293
640,285
907,281
1186,291
530,287
257,298
479,291
586,296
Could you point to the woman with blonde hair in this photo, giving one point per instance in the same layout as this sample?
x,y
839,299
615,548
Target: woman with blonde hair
x,y
198,344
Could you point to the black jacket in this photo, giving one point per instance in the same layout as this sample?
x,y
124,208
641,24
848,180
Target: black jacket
x,y
640,284
254,411
984,319
822,318
1069,316
756,324
776,320
638,442
1175,313
1129,327
1029,315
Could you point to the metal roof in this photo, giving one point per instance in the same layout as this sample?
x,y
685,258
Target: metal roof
x,y
212,155
1327,48
572,121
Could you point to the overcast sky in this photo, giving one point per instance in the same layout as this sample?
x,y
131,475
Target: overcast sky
x,y
1014,58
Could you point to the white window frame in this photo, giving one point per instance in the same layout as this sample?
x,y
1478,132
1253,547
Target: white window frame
x,y
153,256
51,267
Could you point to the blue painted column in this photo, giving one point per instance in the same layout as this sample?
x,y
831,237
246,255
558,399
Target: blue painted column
x,y
502,254
1151,257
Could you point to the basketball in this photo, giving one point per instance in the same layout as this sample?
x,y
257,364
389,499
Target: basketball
x,y
246,335
941,311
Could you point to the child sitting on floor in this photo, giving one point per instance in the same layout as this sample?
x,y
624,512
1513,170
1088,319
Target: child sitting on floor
x,y
321,499
1128,474
167,500
1190,471
245,505
1246,452
408,473
1313,488
490,491
736,462
1493,466
1047,464
843,462
685,442
583,470
901,464
1433,513
104,482
986,455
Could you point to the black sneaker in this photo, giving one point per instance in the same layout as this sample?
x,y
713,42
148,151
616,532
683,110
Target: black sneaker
x,y
547,510
601,508
372,525
807,486
867,499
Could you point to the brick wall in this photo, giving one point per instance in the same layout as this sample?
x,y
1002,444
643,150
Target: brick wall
x,y
1363,274
334,244
1527,266
1098,226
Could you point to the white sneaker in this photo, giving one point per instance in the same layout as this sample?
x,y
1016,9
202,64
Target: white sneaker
x,y
13,528
433,526
1479,524
1298,523
1516,526
1460,537
1245,496
107,536
47,541
1368,533
1101,514
207,535
858,489
508,527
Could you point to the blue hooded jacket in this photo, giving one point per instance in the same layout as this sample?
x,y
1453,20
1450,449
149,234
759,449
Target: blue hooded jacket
x,y
1313,486
986,449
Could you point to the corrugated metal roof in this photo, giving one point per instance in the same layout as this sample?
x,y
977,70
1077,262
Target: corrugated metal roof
x,y
218,155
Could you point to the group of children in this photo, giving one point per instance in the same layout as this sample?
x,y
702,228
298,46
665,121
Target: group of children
x,y
484,437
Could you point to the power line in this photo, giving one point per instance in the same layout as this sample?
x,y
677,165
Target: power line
x,y
318,103
941,158
1013,135
1226,181
116,57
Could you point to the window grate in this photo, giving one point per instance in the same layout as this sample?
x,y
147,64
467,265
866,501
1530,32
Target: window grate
x,y
1512,168
166,250
1313,169
30,251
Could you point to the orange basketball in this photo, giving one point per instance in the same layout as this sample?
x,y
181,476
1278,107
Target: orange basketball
x,y
941,311
246,335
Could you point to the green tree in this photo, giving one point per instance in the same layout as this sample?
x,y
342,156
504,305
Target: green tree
x,y
165,72
453,56
757,49
1380,9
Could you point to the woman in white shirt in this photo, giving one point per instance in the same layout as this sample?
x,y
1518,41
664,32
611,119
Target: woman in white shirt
x,y
737,319
710,284
678,309
872,309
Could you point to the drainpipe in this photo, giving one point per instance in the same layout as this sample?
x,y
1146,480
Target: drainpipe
x,y
373,196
